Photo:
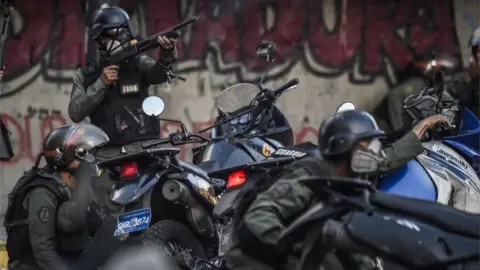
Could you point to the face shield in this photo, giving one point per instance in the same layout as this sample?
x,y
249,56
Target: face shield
x,y
81,139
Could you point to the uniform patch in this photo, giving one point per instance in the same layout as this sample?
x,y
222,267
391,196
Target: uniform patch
x,y
281,190
44,214
128,89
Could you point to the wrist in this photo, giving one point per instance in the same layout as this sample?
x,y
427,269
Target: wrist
x,y
420,129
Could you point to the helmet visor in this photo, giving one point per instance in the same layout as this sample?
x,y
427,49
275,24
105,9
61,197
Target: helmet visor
x,y
86,136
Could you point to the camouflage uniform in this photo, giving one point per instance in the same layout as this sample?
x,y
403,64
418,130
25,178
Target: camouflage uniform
x,y
286,199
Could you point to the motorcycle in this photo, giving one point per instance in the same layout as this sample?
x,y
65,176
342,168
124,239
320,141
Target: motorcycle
x,y
145,183
381,230
180,219
249,127
448,170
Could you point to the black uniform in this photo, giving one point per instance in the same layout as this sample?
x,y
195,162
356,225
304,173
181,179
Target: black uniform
x,y
117,108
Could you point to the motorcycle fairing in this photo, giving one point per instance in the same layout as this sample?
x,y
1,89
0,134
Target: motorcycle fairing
x,y
128,191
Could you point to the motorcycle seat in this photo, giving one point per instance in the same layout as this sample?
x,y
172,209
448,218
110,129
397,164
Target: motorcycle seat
x,y
446,218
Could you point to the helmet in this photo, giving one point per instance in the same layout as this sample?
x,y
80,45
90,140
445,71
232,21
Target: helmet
x,y
65,144
110,18
341,132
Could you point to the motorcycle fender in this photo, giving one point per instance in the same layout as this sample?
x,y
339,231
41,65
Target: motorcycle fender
x,y
415,244
197,214
129,191
225,203
297,230
200,220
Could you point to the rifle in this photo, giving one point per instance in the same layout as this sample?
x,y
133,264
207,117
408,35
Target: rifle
x,y
5,19
144,45
6,151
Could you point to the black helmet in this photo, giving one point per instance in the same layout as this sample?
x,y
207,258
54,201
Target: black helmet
x,y
341,132
110,18
64,144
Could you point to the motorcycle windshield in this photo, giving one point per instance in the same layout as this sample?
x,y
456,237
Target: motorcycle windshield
x,y
236,97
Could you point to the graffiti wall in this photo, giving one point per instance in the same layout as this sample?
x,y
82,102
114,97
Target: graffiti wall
x,y
339,49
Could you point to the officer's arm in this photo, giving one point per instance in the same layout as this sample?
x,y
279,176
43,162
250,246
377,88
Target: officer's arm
x,y
403,150
83,102
42,206
154,71
283,200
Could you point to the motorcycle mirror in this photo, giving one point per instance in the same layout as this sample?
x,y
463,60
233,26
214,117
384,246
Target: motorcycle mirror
x,y
153,106
346,106
438,80
266,51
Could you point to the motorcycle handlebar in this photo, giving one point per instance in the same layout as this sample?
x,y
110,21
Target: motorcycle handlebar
x,y
200,136
156,142
170,140
286,86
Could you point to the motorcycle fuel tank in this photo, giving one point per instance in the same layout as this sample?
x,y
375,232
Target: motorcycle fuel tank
x,y
411,180
224,154
438,174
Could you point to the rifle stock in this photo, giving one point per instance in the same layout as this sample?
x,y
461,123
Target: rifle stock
x,y
6,15
144,45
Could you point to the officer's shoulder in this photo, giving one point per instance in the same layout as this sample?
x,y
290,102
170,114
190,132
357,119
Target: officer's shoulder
x,y
88,70
309,165
42,192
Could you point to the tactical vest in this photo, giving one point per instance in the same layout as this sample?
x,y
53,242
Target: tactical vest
x,y
16,216
120,114
244,238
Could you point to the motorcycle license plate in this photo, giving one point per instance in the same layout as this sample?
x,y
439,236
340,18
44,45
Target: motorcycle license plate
x,y
133,221
225,239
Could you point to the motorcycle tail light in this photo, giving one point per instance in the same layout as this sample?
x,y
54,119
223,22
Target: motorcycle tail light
x,y
236,179
129,169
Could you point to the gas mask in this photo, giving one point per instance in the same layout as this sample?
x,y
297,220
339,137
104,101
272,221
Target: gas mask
x,y
116,40
370,159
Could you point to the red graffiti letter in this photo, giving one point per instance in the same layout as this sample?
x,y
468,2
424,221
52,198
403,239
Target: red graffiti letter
x,y
382,21
337,47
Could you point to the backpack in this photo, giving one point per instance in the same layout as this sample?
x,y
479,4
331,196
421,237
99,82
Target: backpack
x,y
16,217
257,184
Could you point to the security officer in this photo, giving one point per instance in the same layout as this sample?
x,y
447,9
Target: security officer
x,y
423,76
113,97
466,87
46,217
350,146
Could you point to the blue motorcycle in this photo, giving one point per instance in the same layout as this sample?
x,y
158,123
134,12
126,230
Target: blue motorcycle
x,y
448,170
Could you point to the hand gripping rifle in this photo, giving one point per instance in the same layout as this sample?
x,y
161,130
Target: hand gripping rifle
x,y
144,45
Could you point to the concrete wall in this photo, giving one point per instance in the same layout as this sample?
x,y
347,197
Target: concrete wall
x,y
340,50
